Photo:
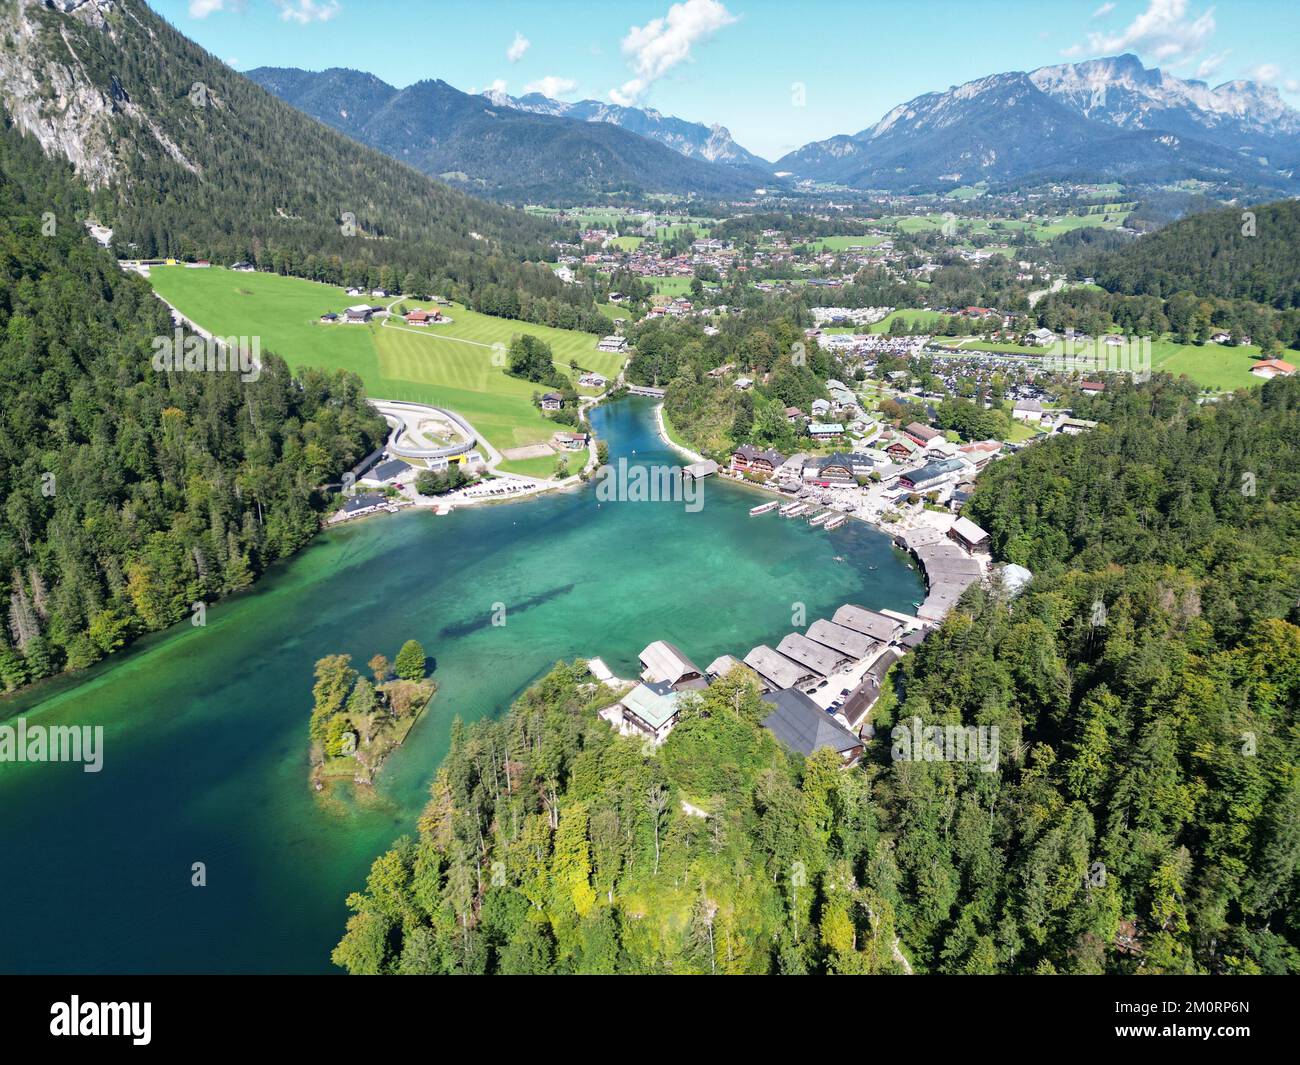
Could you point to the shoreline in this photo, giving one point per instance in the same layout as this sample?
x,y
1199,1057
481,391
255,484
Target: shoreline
x,y
663,435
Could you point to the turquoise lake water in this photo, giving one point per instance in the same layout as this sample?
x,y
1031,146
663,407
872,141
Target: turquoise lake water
x,y
205,749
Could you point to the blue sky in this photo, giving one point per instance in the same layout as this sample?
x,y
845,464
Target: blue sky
x,y
777,73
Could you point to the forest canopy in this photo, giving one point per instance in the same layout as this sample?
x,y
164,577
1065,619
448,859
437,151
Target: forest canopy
x,y
131,495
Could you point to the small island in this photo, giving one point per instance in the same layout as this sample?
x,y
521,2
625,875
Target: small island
x,y
357,722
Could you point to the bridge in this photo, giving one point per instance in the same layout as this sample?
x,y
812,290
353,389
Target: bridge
x,y
646,390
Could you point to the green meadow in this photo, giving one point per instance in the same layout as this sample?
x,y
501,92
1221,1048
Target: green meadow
x,y
1212,366
451,365
911,316
1042,228
670,286
865,240
701,229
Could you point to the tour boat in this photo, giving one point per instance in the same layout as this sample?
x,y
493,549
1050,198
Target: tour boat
x,y
763,508
835,522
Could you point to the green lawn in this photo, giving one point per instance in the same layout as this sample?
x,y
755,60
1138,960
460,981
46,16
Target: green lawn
x,y
1040,227
627,243
865,240
670,286
700,229
1211,366
909,316
615,310
1020,431
451,366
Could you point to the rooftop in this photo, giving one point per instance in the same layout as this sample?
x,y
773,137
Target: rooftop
x,y
655,704
815,656
839,638
804,726
775,668
663,661
868,622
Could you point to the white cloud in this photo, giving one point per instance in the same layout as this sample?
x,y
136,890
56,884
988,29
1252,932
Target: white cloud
x,y
497,87
552,86
1104,10
1211,63
1165,30
204,8
662,43
1271,74
518,47
304,12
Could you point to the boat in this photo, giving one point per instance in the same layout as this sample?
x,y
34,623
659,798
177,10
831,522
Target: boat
x,y
795,511
835,522
789,508
821,518
763,508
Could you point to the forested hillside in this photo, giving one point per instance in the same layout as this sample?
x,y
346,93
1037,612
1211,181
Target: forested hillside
x,y
711,413
1248,253
551,844
1144,815
493,149
190,159
1148,691
131,494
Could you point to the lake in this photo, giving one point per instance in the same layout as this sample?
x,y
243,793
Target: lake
x,y
205,747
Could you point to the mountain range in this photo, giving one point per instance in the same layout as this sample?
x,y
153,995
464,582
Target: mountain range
x,y
693,139
514,149
121,117
1097,120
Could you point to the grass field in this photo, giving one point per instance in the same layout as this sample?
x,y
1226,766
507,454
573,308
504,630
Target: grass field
x,y
670,286
627,243
700,229
909,316
865,240
1020,432
1041,228
1212,366
452,366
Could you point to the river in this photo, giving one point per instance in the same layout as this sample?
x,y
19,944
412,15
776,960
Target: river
x,y
205,748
